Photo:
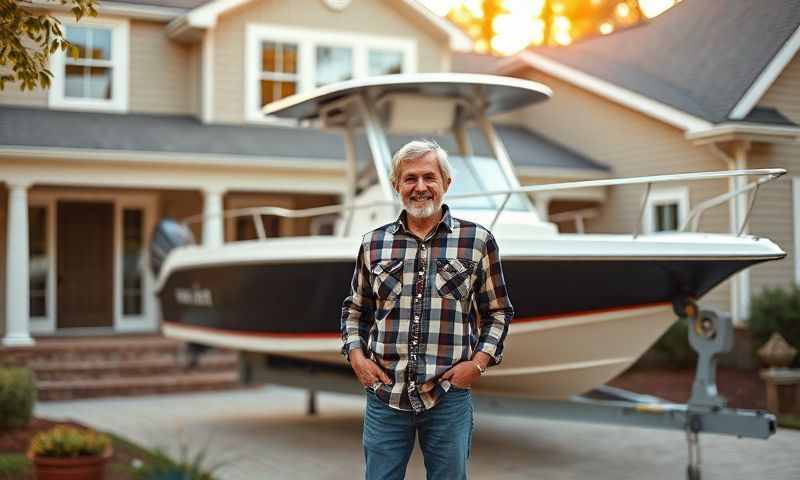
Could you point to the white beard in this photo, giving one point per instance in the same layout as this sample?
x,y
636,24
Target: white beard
x,y
425,211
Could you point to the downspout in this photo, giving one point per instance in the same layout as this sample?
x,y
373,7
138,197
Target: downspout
x,y
737,208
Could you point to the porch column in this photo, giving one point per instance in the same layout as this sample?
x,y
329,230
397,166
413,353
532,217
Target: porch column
x,y
17,280
213,233
740,286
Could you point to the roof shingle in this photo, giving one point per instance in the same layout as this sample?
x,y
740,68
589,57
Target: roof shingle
x,y
700,57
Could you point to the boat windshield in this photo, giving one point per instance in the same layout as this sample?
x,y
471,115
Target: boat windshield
x,y
480,174
476,173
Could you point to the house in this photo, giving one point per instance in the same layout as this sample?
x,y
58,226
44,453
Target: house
x,y
160,117
708,85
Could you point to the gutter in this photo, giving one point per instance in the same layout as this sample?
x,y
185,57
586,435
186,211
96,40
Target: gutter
x,y
133,11
729,131
333,165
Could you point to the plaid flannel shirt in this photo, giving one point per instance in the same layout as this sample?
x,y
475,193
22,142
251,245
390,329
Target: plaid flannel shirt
x,y
410,306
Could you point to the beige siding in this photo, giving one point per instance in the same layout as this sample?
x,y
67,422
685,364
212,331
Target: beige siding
x,y
633,145
773,213
784,94
193,79
370,17
13,95
160,74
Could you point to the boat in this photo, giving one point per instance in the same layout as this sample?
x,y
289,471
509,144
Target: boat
x,y
587,306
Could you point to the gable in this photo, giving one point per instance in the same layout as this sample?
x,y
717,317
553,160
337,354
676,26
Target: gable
x,y
365,17
784,94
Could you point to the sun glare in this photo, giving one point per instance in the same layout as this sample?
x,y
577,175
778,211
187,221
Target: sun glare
x,y
653,8
606,28
505,27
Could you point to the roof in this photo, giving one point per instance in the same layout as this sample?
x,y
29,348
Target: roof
x,y
184,4
204,14
769,116
21,127
700,57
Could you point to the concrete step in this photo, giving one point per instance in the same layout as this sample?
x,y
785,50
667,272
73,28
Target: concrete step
x,y
83,367
90,348
104,387
162,364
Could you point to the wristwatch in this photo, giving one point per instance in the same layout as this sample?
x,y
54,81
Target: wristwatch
x,y
481,369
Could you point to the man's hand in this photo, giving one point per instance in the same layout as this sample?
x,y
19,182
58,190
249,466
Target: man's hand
x,y
367,371
464,374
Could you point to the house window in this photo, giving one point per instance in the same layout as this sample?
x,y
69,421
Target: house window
x,y
90,74
666,217
666,210
282,61
333,64
279,77
132,274
96,78
38,260
385,62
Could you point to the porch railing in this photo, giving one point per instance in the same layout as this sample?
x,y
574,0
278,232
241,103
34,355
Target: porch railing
x,y
691,222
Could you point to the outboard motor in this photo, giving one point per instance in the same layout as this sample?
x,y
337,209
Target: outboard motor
x,y
168,234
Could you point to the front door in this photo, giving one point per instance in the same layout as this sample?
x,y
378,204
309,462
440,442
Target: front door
x,y
85,255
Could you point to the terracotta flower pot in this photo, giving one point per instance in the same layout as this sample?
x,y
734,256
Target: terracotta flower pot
x,y
71,468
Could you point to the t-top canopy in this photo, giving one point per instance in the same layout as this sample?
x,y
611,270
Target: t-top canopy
x,y
497,94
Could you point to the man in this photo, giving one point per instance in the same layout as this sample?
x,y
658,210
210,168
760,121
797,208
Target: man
x,y
409,327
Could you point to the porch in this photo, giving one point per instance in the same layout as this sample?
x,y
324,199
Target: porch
x,y
79,234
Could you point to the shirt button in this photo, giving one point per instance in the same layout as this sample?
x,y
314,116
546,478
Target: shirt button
x,y
423,247
421,273
419,295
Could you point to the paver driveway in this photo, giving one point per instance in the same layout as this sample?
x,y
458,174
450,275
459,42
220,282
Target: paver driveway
x,y
264,433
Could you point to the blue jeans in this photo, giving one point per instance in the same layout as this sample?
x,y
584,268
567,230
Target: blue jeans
x,y
445,436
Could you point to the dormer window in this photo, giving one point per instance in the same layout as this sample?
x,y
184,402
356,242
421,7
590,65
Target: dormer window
x,y
279,77
96,79
333,64
281,61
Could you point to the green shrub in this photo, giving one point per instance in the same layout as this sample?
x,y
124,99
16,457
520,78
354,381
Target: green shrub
x,y
65,441
776,310
673,346
17,396
13,465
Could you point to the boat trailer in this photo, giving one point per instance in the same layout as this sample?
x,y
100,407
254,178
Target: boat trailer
x,y
710,334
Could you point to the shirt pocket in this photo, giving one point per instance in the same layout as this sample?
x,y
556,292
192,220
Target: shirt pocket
x,y
452,277
387,278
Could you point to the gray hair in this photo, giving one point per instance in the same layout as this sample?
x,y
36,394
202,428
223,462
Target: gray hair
x,y
416,149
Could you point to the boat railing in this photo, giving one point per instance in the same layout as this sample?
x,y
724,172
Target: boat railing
x,y
691,222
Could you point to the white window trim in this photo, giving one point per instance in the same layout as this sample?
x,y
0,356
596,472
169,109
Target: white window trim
x,y
120,39
149,320
679,195
307,40
47,323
